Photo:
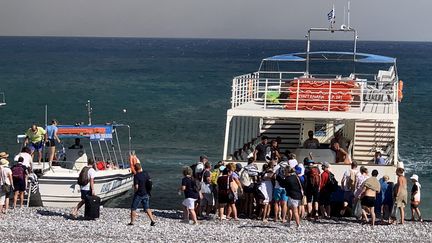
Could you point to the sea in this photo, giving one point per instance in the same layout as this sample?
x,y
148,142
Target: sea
x,y
174,93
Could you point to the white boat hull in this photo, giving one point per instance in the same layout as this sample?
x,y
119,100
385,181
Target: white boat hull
x,y
59,188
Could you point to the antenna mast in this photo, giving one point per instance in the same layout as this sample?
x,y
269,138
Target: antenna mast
x,y
89,112
349,25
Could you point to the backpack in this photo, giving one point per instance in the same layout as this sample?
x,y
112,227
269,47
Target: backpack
x,y
196,185
351,181
83,178
332,183
214,175
149,186
245,178
280,173
18,171
314,177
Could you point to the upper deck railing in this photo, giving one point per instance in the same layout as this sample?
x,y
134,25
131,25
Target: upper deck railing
x,y
359,93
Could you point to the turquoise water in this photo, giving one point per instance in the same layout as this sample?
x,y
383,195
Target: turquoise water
x,y
176,92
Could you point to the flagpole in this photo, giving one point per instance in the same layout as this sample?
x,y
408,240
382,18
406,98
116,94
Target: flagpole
x,y
349,26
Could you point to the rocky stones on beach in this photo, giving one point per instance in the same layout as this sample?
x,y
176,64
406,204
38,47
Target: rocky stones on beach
x,y
56,225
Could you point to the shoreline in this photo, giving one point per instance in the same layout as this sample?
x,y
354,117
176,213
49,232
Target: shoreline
x,y
40,224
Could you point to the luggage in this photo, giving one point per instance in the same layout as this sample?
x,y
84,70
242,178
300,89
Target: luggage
x,y
92,206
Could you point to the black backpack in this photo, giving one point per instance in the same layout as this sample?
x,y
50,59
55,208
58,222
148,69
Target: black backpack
x,y
332,184
83,176
149,185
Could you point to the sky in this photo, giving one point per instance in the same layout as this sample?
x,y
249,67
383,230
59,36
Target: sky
x,y
399,20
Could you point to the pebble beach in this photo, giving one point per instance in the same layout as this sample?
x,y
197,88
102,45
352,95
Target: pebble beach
x,y
56,225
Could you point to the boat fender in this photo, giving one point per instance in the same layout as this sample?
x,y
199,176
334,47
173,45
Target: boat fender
x,y
400,90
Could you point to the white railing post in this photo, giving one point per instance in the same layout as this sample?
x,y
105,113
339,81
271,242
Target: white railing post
x,y
361,95
298,94
280,82
233,99
265,93
329,95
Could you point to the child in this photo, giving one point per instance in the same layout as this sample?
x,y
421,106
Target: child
x,y
415,198
19,175
191,193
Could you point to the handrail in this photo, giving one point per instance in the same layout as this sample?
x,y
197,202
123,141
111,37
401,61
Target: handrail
x,y
339,94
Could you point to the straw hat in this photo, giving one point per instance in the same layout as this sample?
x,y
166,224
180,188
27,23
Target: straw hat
x,y
4,155
4,162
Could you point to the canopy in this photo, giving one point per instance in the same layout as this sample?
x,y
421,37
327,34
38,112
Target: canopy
x,y
93,132
329,55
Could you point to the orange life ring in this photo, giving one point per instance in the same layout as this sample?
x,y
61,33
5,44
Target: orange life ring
x,y
400,90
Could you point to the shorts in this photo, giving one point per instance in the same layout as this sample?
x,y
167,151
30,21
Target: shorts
x,y
2,197
279,194
367,201
224,199
50,143
293,203
312,195
36,146
249,189
207,200
19,184
85,194
144,200
189,203
415,204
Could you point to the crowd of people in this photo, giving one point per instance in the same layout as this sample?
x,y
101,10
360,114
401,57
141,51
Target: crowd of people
x,y
286,189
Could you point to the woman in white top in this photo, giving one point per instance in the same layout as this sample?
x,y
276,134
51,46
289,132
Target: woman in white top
x,y
415,198
5,179
361,177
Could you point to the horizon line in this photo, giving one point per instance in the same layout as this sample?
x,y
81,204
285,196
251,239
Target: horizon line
x,y
196,38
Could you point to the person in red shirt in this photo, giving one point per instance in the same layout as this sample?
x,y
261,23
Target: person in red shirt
x,y
325,193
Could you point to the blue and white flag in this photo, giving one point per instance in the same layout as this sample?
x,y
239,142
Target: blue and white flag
x,y
330,15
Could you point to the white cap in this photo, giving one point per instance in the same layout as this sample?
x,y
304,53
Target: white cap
x,y
199,168
414,177
292,163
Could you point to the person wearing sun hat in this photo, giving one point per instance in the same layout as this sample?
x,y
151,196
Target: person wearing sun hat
x,y
415,198
4,155
5,178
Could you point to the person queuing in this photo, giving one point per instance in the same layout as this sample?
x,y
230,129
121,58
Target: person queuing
x,y
191,193
6,185
415,198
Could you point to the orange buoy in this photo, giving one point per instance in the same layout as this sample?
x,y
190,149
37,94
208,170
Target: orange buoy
x,y
400,90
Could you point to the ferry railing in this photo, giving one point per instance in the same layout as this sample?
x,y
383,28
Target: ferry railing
x,y
324,94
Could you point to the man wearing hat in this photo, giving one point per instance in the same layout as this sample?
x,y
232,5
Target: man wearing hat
x,y
5,182
415,198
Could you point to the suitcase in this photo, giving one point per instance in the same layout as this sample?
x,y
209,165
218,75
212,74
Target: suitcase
x,y
92,206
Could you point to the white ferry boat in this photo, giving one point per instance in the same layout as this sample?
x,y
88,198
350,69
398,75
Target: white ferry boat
x,y
57,183
355,94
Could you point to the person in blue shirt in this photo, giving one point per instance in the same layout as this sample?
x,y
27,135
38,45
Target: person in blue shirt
x,y
52,137
142,188
379,160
